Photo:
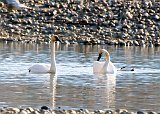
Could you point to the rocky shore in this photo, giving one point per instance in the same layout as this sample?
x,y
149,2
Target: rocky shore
x,y
46,110
115,22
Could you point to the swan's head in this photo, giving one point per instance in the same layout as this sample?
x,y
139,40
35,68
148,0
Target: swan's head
x,y
101,51
55,38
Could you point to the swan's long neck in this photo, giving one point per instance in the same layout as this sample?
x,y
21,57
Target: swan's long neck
x,y
105,66
53,61
107,57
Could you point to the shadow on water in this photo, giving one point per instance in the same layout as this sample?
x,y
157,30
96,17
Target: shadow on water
x,y
75,86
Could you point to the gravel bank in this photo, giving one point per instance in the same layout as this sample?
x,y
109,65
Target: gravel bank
x,y
96,22
46,110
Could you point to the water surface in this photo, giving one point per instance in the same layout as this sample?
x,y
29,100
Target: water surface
x,y
75,86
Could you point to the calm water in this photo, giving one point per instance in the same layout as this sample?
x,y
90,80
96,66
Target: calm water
x,y
75,86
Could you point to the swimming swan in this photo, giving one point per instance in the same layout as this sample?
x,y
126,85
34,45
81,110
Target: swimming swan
x,y
42,68
105,67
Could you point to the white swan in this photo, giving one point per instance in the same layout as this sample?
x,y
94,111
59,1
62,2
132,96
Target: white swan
x,y
44,68
105,67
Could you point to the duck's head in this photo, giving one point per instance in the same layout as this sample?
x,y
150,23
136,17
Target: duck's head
x,y
55,38
101,51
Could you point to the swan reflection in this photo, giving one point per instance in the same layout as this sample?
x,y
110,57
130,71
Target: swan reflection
x,y
53,84
105,89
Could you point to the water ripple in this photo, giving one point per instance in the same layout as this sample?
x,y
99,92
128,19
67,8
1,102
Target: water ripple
x,y
75,86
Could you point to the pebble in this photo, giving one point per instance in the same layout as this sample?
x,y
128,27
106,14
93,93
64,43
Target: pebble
x,y
125,23
1,4
44,108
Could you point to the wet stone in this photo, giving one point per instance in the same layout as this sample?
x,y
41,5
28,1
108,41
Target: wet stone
x,y
23,112
1,4
44,108
140,112
152,112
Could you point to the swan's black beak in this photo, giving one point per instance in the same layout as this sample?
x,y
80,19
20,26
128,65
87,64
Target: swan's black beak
x,y
99,57
58,39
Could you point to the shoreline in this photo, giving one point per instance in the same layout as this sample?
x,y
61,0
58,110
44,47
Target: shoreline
x,y
116,23
46,110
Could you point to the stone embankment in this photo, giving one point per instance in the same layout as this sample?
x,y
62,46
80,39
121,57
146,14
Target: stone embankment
x,y
96,22
46,110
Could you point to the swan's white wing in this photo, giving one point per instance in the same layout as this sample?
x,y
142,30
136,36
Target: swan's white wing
x,y
106,67
97,66
111,69
39,68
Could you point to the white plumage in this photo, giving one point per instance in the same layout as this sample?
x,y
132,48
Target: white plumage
x,y
105,67
47,68
40,68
